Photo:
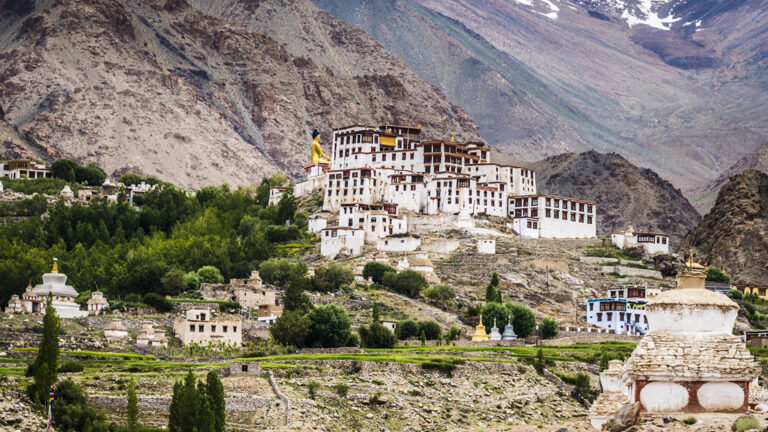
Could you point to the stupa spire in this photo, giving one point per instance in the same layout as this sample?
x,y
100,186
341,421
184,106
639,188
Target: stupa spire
x,y
55,266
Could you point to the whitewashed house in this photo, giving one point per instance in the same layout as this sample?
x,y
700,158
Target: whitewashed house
x,y
402,243
335,239
486,246
652,242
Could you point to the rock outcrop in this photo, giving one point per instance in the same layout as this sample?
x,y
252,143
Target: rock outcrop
x,y
734,234
198,98
625,194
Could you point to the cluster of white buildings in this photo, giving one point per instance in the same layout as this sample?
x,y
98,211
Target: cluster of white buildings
x,y
377,175
20,168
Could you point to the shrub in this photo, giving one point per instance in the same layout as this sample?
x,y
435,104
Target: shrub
x,y
388,280
133,298
736,294
744,423
407,329
714,274
549,328
332,277
376,270
71,412
210,274
312,388
430,329
452,334
70,367
191,281
279,271
341,389
689,420
160,303
440,293
377,336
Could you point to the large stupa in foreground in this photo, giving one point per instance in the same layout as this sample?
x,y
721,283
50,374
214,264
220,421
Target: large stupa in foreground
x,y
689,361
63,296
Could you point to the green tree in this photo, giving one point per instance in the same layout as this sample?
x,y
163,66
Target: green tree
x,y
440,293
549,328
497,312
216,396
174,282
190,409
160,303
430,329
736,294
604,359
374,271
64,169
330,326
132,412
279,271
291,328
295,297
130,179
286,208
523,319
175,411
377,336
45,365
191,281
72,413
406,329
714,274
453,333
210,274
492,291
332,277
409,283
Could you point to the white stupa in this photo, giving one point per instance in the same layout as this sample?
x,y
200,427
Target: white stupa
x,y
55,283
495,335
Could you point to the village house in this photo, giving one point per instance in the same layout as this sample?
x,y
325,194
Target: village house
x,y
249,293
652,242
97,303
375,167
244,368
339,238
622,312
34,300
275,194
199,327
24,168
398,243
316,223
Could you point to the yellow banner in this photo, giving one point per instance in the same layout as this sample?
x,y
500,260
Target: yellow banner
x,y
387,141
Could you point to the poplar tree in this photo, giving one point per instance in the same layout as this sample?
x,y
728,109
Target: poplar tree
x,y
133,407
216,396
46,363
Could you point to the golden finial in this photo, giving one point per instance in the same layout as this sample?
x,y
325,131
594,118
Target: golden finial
x,y
453,138
55,266
419,126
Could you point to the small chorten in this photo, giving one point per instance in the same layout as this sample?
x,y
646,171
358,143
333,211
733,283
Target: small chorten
x,y
495,335
509,330
480,334
67,193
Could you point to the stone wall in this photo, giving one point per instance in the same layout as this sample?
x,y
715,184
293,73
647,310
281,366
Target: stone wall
x,y
283,398
162,403
236,368
597,260
342,350
631,271
101,322
590,338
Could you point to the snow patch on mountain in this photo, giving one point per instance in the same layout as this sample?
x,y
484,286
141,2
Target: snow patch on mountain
x,y
551,8
648,15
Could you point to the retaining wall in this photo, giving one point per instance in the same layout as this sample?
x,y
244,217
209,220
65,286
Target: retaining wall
x,y
631,271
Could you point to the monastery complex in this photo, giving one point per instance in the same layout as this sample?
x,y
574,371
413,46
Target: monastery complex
x,y
376,176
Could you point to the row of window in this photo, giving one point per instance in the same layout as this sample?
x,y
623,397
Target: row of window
x,y
622,315
201,328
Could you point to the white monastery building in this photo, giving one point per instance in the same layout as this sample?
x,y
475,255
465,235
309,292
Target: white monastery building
x,y
623,311
378,175
652,242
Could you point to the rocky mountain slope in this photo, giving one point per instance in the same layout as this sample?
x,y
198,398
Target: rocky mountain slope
x,y
734,234
705,195
162,87
625,194
675,85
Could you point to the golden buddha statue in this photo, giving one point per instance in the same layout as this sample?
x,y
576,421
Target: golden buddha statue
x,y
318,157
